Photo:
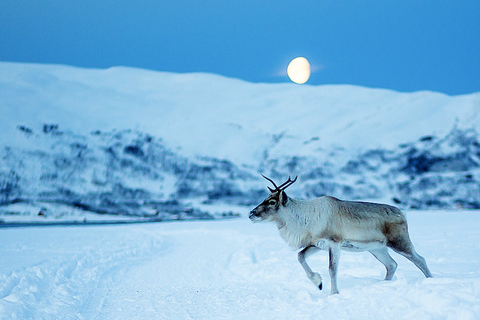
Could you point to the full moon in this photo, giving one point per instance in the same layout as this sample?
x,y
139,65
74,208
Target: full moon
x,y
298,70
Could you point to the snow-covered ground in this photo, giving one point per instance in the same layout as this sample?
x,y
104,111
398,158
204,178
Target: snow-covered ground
x,y
231,269
83,144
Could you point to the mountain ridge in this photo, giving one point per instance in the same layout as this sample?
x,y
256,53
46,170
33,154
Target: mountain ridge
x,y
109,140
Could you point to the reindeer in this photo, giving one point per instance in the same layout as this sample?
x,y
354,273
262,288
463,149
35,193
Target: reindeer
x,y
327,223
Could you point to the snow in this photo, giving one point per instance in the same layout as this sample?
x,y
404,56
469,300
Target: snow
x,y
369,143
126,141
231,269
204,114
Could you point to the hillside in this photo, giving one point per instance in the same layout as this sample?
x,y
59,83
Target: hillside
x,y
134,142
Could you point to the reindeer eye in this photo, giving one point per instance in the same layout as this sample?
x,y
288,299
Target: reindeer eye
x,y
272,202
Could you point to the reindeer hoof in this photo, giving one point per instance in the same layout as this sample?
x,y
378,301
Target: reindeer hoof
x,y
320,286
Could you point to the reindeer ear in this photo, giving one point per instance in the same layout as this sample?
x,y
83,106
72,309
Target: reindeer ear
x,y
283,198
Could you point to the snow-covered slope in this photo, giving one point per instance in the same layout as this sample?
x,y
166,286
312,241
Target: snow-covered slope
x,y
76,143
231,270
139,142
224,118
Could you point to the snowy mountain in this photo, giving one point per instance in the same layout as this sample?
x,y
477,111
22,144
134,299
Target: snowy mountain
x,y
133,142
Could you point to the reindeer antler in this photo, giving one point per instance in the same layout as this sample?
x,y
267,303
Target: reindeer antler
x,y
270,189
283,186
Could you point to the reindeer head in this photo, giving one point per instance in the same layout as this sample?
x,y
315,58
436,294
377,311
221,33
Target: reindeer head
x,y
270,206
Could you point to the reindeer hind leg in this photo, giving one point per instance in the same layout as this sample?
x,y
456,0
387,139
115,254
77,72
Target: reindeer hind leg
x,y
384,257
405,248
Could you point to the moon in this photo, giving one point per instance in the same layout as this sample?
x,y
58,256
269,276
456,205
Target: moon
x,y
298,70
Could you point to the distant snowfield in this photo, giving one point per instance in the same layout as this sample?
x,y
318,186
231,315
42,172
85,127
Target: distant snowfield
x,y
205,114
231,269
90,138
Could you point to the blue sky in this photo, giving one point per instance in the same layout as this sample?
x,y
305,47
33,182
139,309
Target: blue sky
x,y
401,45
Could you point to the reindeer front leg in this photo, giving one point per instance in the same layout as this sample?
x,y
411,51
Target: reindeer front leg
x,y
334,257
313,276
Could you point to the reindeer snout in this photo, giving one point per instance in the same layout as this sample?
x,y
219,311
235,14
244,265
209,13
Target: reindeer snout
x,y
253,216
